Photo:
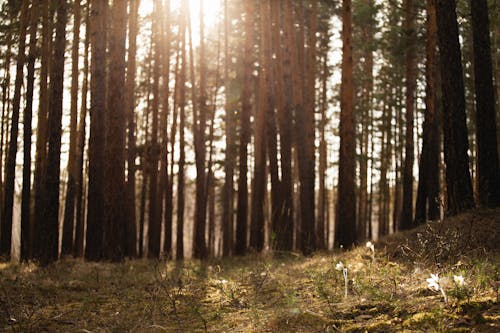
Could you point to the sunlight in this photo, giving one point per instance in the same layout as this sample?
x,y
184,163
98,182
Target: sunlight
x,y
212,13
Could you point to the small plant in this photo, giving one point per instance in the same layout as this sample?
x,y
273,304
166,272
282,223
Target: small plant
x,y
460,290
434,283
340,267
372,249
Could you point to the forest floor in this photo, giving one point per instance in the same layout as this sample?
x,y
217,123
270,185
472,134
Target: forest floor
x,y
274,293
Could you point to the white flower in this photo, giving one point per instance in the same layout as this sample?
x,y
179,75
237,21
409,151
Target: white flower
x,y
370,246
433,282
223,281
339,266
459,280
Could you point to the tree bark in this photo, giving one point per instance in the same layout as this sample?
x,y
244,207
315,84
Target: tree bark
x,y
458,180
8,205
487,154
345,231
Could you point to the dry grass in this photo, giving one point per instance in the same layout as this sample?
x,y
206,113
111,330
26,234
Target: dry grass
x,y
286,293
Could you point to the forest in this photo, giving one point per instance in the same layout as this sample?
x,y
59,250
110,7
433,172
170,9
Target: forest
x,y
212,137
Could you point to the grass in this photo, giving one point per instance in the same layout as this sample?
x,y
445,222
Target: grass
x,y
265,293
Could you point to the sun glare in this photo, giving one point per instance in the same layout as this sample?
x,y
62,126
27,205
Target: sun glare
x,y
212,12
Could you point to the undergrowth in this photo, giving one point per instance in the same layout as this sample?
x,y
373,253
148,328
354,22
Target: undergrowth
x,y
387,291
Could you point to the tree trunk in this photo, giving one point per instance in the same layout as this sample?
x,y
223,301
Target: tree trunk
x,y
229,163
152,151
246,108
345,231
131,230
50,227
80,180
427,205
406,221
8,205
488,168
458,180
26,223
95,212
115,137
69,207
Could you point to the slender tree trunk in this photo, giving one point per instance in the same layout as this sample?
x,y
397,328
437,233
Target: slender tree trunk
x,y
406,221
115,137
259,181
26,236
69,208
487,153
322,204
199,124
154,231
229,163
80,180
427,205
163,181
345,231
182,153
95,212
42,124
246,108
6,226
50,228
458,180
131,230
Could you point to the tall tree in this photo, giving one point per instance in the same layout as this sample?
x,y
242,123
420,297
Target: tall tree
x,y
69,207
427,205
8,205
229,163
26,235
80,180
50,227
115,137
488,167
199,124
259,179
283,226
246,108
406,219
95,210
345,230
154,231
131,230
458,180
42,121
182,151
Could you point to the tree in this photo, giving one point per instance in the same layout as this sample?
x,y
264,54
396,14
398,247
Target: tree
x,y
345,231
80,180
26,223
49,228
115,138
69,207
131,231
427,205
488,167
199,124
407,211
8,205
95,211
246,108
458,180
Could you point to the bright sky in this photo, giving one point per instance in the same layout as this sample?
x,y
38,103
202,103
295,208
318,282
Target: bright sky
x,y
213,9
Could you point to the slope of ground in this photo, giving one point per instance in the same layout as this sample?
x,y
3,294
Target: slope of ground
x,y
286,293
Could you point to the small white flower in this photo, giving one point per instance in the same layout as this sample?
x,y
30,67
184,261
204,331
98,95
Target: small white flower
x,y
459,280
433,282
339,266
370,246
223,281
